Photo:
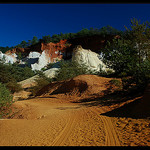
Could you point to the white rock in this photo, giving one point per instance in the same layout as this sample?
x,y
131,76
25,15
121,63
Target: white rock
x,y
51,73
89,58
8,58
43,60
34,55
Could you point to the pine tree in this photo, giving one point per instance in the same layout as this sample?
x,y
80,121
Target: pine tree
x,y
34,40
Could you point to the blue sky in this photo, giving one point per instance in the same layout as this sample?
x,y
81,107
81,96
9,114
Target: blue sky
x,y
20,22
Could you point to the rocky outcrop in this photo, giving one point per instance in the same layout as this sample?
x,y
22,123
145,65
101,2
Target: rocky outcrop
x,y
42,60
55,50
8,58
89,59
39,55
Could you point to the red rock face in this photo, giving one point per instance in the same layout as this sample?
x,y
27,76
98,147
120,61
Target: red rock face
x,y
53,50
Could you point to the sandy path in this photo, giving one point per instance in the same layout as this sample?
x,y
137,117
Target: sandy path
x,y
111,137
56,122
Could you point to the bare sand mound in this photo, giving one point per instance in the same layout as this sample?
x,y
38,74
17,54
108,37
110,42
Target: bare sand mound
x,y
79,86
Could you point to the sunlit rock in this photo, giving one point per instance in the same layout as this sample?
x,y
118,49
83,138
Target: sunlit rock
x,y
89,59
8,58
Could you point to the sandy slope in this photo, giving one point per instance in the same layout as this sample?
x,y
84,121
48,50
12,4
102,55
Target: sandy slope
x,y
72,113
56,122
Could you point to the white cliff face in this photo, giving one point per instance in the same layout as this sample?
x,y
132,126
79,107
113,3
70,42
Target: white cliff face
x,y
43,60
89,58
8,58
34,55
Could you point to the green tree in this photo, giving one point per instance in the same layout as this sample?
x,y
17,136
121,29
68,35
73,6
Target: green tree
x,y
139,34
4,49
55,38
29,43
83,32
34,40
19,45
19,56
23,44
109,30
120,55
46,39
5,100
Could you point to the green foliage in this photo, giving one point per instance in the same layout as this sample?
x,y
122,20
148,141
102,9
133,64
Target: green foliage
x,y
23,44
46,39
115,82
13,86
29,43
120,55
5,100
19,56
83,32
56,38
141,74
139,79
139,34
70,69
11,74
34,40
4,49
106,30
41,81
130,56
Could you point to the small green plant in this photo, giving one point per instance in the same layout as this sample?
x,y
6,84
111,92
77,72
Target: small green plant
x,y
5,101
115,82
41,81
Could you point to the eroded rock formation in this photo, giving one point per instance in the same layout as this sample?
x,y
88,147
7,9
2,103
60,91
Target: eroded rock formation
x,y
8,58
89,59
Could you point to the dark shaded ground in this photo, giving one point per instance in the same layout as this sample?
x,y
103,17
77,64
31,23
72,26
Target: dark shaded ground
x,y
137,109
127,111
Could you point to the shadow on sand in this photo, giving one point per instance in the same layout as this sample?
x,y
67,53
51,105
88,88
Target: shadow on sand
x,y
129,110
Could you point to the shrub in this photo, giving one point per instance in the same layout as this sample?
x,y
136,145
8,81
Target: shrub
x,y
5,100
141,74
14,72
11,74
70,69
116,83
13,86
41,81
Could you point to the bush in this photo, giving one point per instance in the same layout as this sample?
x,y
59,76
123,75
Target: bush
x,y
141,74
5,100
11,74
139,79
70,69
13,86
115,82
41,81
